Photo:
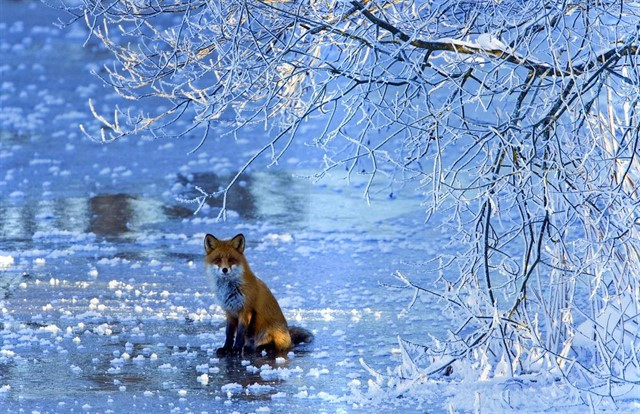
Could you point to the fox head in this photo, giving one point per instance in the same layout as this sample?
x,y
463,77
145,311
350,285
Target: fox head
x,y
225,258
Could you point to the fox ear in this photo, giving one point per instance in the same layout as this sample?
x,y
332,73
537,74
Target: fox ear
x,y
238,242
209,243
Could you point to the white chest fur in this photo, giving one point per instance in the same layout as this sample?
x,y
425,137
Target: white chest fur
x,y
227,288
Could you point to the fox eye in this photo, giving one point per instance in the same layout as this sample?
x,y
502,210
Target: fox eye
x,y
232,261
217,261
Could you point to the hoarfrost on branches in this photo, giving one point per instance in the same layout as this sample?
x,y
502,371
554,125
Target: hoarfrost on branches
x,y
518,118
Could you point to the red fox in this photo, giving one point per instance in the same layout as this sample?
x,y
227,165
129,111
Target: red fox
x,y
254,317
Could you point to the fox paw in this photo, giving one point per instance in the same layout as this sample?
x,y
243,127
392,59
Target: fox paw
x,y
228,351
224,351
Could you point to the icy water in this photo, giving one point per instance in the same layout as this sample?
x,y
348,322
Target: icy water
x,y
104,305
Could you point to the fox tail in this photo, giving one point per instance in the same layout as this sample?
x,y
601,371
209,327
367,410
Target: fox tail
x,y
300,335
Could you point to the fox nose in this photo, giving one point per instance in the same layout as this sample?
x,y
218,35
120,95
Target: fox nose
x,y
225,270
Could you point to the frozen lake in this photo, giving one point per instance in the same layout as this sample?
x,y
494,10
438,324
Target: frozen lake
x,y
103,299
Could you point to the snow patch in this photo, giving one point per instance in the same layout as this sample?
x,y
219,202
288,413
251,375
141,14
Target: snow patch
x,y
231,388
6,261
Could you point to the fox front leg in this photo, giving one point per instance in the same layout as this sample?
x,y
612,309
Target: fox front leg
x,y
243,327
227,348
